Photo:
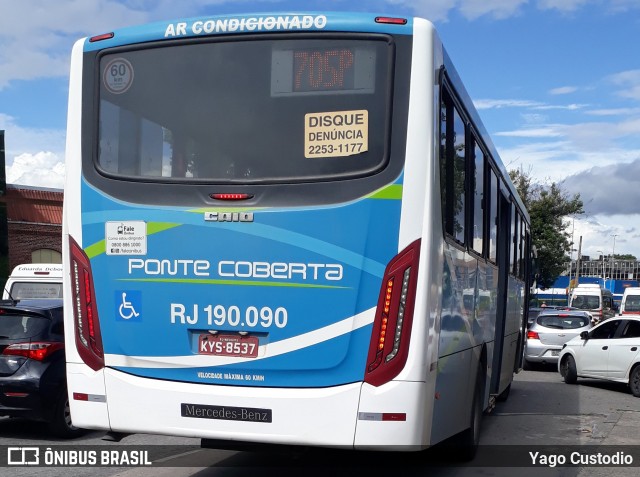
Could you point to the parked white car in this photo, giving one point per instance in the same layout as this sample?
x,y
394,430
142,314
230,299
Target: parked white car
x,y
610,351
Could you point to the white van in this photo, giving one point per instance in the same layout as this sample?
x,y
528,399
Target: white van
x,y
630,304
34,280
595,299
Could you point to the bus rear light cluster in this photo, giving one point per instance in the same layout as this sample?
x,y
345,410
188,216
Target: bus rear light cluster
x,y
392,324
87,329
238,196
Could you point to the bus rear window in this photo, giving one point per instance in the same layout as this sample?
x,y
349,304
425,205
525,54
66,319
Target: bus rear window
x,y
272,110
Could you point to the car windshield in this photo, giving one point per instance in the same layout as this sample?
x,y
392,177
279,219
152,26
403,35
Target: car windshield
x,y
632,303
22,290
563,322
586,302
21,326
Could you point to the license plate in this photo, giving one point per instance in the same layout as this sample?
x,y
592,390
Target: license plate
x,y
555,352
228,345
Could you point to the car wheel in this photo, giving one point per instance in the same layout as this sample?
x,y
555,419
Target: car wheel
x,y
60,423
568,370
634,381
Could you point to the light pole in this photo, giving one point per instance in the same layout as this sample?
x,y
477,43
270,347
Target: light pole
x,y
613,253
602,255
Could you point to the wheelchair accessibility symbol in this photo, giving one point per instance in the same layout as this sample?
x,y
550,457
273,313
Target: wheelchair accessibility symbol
x,y
128,305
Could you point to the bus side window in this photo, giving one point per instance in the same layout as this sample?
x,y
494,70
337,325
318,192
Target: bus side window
x,y
453,169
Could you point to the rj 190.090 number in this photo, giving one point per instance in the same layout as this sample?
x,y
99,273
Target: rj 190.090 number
x,y
219,315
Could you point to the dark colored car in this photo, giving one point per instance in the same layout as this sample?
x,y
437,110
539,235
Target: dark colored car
x,y
32,363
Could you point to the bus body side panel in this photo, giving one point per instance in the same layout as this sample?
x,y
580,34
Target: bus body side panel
x,y
512,332
412,391
461,337
71,224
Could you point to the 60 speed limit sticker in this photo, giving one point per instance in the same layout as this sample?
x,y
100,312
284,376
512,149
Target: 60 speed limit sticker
x,y
118,76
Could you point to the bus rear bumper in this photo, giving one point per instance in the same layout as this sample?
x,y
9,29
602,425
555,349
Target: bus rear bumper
x,y
314,417
348,416
392,417
87,397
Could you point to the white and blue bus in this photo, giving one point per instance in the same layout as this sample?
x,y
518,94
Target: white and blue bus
x,y
286,229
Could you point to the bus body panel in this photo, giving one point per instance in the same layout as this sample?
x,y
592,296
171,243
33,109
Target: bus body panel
x,y
395,397
92,412
330,418
419,202
71,223
303,282
248,24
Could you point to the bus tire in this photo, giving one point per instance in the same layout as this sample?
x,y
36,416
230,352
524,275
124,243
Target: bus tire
x,y
470,438
504,395
568,370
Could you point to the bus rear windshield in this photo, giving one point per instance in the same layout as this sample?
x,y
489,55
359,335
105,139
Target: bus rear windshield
x,y
256,110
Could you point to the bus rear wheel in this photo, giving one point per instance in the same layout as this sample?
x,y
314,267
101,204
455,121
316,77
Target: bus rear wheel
x,y
466,443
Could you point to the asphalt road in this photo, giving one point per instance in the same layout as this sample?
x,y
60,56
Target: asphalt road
x,y
540,411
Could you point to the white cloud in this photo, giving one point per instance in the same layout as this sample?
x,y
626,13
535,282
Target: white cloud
x,y
34,157
504,103
19,140
522,103
564,90
549,131
614,112
36,39
434,10
43,169
563,5
568,107
499,9
597,234
629,81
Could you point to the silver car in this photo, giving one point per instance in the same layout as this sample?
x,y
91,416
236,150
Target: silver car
x,y
551,330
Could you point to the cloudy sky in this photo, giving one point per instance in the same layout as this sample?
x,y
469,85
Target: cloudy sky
x,y
556,82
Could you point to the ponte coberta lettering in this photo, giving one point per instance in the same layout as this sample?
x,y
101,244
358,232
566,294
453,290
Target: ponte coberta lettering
x,y
235,269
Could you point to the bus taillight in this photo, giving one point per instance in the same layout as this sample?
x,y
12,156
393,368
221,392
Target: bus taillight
x,y
389,345
87,329
391,20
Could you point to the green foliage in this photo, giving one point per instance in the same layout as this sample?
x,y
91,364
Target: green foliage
x,y
548,205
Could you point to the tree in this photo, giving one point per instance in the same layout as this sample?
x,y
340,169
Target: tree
x,y
548,206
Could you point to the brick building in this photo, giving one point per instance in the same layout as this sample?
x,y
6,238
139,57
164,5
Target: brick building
x,y
34,223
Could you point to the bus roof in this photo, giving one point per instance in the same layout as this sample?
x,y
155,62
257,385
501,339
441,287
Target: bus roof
x,y
251,23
